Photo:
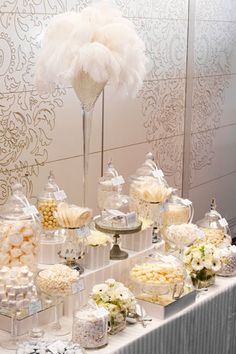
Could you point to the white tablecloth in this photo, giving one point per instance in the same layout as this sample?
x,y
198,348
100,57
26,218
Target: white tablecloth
x,y
207,327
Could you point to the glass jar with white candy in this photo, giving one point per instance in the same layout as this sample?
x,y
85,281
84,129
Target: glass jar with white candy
x,y
19,232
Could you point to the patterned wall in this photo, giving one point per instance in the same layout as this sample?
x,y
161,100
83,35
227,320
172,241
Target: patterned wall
x,y
213,128
42,133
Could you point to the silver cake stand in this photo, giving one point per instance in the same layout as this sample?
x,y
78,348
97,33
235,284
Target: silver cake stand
x,y
116,253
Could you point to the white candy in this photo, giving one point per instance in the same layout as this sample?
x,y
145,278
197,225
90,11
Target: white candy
x,y
15,239
27,259
15,252
27,247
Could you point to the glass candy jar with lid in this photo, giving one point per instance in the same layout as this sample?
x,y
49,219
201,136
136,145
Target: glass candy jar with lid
x,y
158,278
117,212
149,189
176,210
215,227
48,201
20,229
108,185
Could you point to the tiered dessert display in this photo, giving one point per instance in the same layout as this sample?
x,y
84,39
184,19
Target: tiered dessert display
x,y
52,235
117,219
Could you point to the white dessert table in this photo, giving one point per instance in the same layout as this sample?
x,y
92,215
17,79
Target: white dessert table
x,y
206,327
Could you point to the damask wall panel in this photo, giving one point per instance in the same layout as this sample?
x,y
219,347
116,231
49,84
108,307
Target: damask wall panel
x,y
157,113
34,6
223,189
213,125
19,44
218,10
213,154
215,48
213,102
174,9
166,42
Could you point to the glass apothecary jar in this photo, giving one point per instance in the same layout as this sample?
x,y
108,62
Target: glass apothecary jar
x,y
48,201
215,227
109,184
176,210
117,213
90,326
156,276
20,230
149,190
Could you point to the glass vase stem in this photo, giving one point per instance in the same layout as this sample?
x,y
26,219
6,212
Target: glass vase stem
x,y
87,123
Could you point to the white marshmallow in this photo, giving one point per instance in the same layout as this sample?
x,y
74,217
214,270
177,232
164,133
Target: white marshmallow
x,y
15,239
15,252
27,247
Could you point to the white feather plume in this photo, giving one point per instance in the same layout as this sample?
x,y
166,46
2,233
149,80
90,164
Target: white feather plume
x,y
97,41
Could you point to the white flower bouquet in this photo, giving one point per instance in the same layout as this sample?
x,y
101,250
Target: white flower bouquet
x,y
202,261
117,299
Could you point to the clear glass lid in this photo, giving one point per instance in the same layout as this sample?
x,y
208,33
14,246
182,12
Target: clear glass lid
x,y
212,219
109,175
17,206
149,171
50,188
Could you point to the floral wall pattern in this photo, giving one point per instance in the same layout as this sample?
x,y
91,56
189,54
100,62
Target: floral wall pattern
x,y
42,133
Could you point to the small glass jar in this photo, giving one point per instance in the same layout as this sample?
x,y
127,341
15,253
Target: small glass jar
x,y
74,247
47,206
20,229
215,227
90,327
176,210
107,187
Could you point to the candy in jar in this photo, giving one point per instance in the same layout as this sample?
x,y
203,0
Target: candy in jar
x,y
215,227
109,184
19,232
90,326
47,205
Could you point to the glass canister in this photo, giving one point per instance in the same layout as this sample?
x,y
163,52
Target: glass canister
x,y
48,201
90,326
20,230
108,185
117,212
157,275
215,227
176,210
74,220
148,188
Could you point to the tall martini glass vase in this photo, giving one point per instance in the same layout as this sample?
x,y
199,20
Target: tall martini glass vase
x,y
87,91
